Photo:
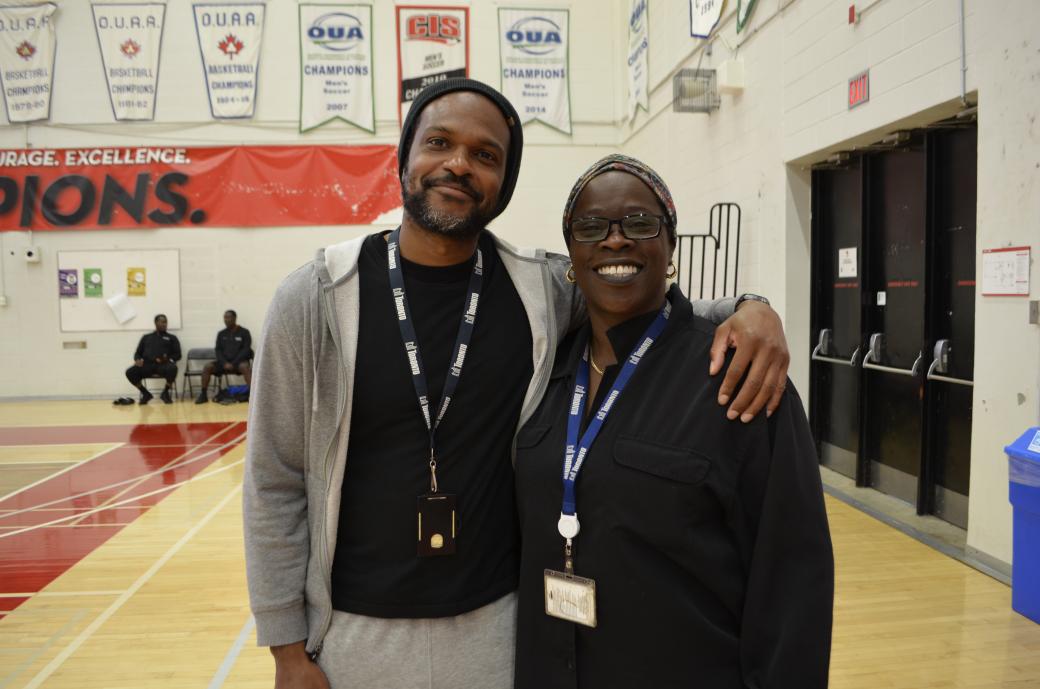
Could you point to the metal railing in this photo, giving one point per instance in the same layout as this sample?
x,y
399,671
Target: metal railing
x,y
708,263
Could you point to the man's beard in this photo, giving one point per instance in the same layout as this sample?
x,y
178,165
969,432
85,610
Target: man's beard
x,y
417,205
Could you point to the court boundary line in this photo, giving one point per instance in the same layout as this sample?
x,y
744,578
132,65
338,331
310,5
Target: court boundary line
x,y
62,594
151,474
73,646
221,675
103,508
169,465
70,467
4,681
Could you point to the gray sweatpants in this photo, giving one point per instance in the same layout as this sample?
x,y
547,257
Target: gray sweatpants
x,y
470,651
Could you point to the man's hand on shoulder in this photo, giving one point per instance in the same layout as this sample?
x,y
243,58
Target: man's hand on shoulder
x,y
761,352
294,669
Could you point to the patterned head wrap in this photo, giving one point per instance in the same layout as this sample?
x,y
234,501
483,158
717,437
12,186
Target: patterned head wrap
x,y
632,166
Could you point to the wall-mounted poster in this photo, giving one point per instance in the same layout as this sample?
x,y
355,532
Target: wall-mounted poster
x,y
432,45
136,282
27,46
130,39
638,49
534,48
336,66
68,283
229,39
93,284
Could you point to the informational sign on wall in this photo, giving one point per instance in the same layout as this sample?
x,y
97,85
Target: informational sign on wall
x,y
432,45
68,283
533,45
336,66
638,61
93,283
229,39
130,39
27,47
231,186
1005,272
704,17
847,266
137,281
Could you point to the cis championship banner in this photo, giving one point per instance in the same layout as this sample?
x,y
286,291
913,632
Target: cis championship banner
x,y
27,46
432,45
237,186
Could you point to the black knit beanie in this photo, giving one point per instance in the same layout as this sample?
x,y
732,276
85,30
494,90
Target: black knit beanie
x,y
516,130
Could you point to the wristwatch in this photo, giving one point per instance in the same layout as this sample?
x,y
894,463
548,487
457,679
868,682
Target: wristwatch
x,y
747,296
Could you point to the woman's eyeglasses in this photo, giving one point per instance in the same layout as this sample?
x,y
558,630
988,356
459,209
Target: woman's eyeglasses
x,y
636,226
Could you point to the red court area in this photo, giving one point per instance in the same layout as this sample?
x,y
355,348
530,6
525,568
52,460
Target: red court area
x,y
49,526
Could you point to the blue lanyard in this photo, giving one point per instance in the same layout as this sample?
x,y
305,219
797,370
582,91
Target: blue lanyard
x,y
576,451
411,342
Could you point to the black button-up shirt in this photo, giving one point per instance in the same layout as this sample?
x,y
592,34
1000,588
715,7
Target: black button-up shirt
x,y
707,538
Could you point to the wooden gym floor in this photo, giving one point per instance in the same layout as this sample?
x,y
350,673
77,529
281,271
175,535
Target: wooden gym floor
x,y
121,566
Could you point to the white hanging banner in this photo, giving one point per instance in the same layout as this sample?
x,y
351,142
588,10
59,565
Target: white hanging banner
x,y
744,10
704,17
229,39
130,39
432,45
638,47
336,66
534,47
27,46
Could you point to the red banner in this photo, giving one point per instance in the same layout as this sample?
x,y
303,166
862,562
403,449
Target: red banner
x,y
238,186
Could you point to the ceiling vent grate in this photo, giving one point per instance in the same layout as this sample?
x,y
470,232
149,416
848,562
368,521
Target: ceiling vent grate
x,y
695,90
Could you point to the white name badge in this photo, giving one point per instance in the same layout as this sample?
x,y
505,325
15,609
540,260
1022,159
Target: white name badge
x,y
570,598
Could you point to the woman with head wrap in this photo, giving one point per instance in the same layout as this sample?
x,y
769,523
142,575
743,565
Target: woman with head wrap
x,y
663,546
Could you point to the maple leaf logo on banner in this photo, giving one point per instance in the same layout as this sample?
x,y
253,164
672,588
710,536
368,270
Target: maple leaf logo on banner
x,y
130,48
231,46
25,50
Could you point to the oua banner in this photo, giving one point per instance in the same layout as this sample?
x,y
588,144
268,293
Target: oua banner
x,y
130,39
432,45
229,39
704,17
638,48
336,66
534,51
27,46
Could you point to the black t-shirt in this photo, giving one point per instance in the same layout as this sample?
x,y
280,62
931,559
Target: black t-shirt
x,y
376,570
234,346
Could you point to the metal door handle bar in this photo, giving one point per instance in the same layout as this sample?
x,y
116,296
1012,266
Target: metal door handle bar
x,y
913,371
945,379
816,356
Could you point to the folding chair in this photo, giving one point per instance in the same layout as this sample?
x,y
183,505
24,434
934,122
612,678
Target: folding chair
x,y
200,356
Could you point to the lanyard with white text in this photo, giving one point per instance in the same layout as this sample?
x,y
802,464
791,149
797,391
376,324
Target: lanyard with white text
x,y
577,451
411,342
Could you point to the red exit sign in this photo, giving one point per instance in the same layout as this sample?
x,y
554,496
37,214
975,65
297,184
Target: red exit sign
x,y
859,89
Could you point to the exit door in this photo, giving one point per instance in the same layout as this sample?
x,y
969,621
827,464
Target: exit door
x,y
893,318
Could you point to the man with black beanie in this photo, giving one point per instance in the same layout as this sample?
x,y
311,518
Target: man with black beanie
x,y
390,379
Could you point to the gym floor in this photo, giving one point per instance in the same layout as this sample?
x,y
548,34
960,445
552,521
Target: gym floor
x,y
121,566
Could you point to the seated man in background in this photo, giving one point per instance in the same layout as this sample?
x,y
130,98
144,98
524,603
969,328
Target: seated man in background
x,y
156,357
234,352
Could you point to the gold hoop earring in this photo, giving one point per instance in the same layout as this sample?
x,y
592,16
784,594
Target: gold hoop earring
x,y
570,275
672,271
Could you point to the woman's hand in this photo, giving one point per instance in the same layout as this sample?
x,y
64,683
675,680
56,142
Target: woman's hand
x,y
761,352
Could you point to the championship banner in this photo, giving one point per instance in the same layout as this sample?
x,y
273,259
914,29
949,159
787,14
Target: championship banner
x,y
237,186
27,46
533,46
638,49
744,10
336,66
229,39
130,39
432,45
704,16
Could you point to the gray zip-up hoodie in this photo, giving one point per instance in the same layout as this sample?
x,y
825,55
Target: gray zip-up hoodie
x,y
299,423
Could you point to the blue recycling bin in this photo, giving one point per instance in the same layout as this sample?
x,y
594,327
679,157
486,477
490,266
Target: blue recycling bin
x,y
1024,493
